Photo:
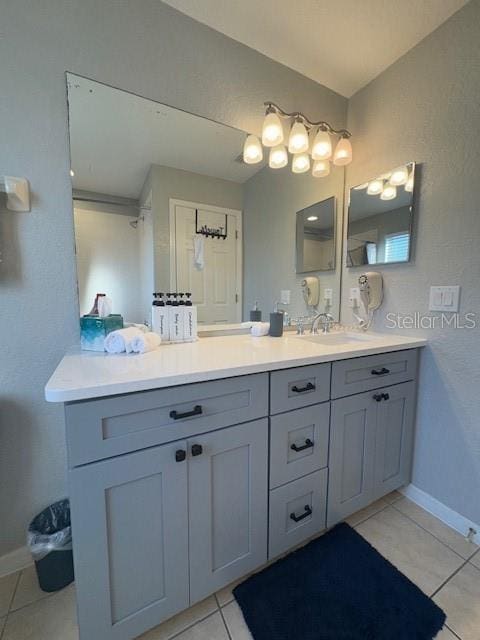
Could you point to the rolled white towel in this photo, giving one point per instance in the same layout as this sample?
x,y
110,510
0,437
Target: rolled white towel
x,y
145,342
117,341
260,329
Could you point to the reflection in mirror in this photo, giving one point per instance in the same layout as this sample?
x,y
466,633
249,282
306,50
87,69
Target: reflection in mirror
x,y
316,237
163,202
380,219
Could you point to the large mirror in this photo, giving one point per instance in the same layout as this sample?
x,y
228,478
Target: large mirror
x,y
163,202
380,216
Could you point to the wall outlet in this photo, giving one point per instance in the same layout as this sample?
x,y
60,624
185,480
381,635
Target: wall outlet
x,y
285,296
354,298
444,298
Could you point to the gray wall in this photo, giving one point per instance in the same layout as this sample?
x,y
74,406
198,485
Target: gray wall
x,y
271,200
183,185
426,108
144,47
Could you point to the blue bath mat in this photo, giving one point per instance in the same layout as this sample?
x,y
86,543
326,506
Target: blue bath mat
x,y
338,587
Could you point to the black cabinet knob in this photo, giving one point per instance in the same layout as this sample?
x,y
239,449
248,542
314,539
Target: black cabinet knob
x,y
180,455
197,449
377,397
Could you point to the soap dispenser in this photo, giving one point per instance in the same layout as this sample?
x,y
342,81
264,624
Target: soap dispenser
x,y
160,323
276,323
190,322
255,313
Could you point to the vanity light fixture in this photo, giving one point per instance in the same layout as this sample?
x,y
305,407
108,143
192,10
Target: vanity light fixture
x,y
389,192
360,187
252,150
321,133
399,176
375,187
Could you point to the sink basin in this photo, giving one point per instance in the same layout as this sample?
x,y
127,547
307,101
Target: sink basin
x,y
338,339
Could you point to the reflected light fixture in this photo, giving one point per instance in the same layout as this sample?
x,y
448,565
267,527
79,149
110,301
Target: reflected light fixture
x,y
375,187
278,157
300,163
72,173
389,192
272,132
252,150
409,183
321,132
312,218
361,186
399,176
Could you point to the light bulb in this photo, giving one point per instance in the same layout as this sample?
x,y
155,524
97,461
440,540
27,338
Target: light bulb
x,y
72,173
278,157
321,168
343,152
252,150
301,163
375,187
322,146
272,132
298,140
399,176
312,218
409,183
389,192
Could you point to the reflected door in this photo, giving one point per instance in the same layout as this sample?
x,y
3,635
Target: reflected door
x,y
208,269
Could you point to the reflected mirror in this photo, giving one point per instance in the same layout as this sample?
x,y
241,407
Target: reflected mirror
x,y
163,202
380,218
316,237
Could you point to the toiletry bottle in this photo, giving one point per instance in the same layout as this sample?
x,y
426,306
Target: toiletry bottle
x,y
176,321
169,315
190,324
276,323
255,313
160,317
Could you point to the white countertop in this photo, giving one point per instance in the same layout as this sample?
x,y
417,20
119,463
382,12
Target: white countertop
x,y
86,374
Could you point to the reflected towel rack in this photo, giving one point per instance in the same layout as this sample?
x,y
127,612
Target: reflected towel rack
x,y
211,231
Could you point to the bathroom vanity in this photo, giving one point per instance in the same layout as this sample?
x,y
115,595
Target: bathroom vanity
x,y
191,466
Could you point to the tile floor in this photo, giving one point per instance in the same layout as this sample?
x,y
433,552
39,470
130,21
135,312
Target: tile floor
x,y
439,560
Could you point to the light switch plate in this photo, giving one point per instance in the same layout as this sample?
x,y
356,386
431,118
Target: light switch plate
x,y
328,295
285,296
444,298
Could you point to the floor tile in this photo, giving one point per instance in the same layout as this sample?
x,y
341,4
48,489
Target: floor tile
x,y
449,536
182,620
236,624
53,618
28,589
446,634
476,560
460,599
212,628
416,553
393,496
225,595
7,589
363,514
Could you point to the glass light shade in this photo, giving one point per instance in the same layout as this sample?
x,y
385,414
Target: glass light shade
x,y
252,150
361,186
399,176
322,146
343,152
278,157
298,140
389,192
321,168
409,183
375,187
272,132
301,163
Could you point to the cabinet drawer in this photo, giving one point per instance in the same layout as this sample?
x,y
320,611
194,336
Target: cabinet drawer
x,y
297,512
108,427
298,443
299,387
372,372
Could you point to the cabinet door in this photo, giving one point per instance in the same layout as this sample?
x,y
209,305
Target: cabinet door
x,y
394,438
352,453
130,535
227,505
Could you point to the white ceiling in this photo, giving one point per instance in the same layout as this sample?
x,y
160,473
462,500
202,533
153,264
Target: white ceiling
x,y
115,136
342,44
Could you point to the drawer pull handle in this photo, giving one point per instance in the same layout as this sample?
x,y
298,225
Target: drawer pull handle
x,y
308,444
380,372
381,396
307,512
197,450
308,387
196,411
180,455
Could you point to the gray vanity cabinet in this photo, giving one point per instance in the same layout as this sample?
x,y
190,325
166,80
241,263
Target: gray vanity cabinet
x,y
130,523
371,438
227,505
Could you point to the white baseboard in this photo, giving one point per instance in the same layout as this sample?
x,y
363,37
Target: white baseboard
x,y
15,561
441,511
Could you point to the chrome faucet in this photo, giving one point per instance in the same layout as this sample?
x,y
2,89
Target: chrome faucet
x,y
326,319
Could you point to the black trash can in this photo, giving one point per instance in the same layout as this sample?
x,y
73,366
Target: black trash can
x,y
50,543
